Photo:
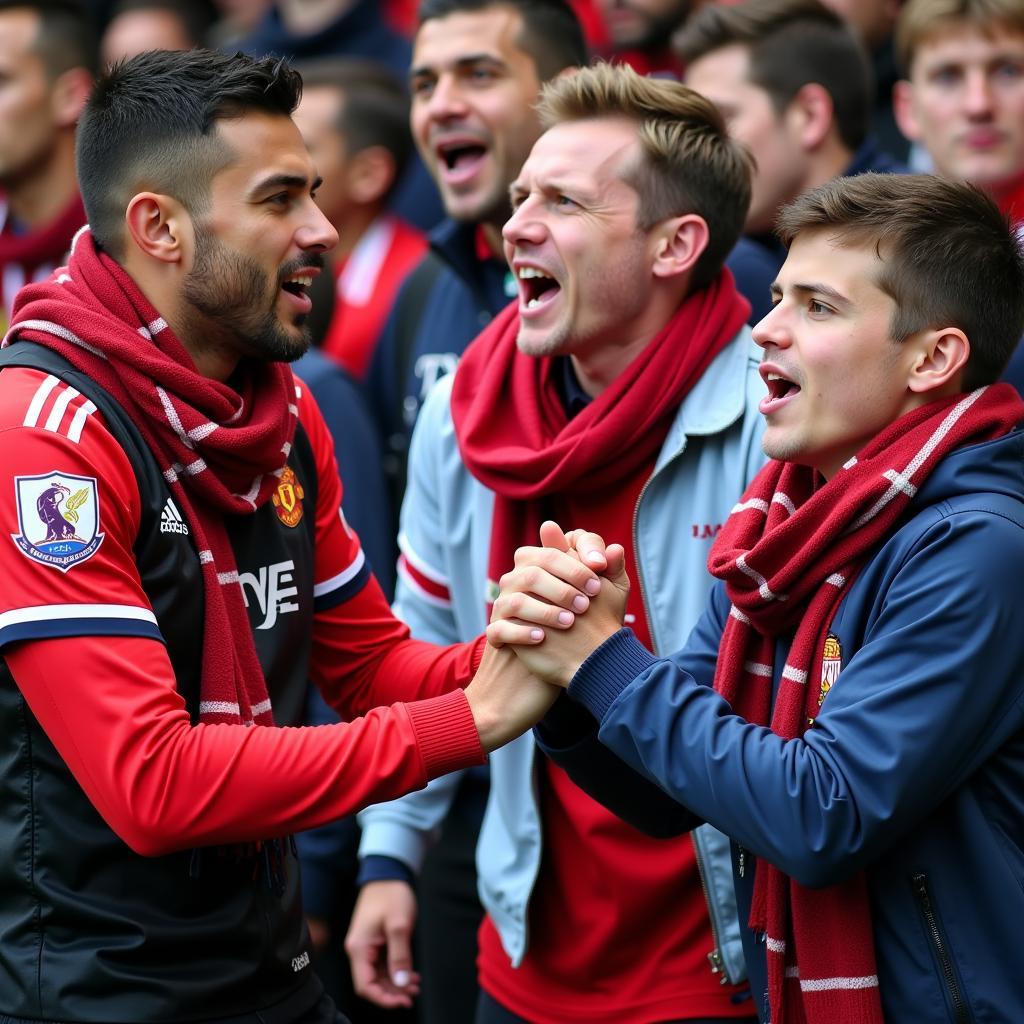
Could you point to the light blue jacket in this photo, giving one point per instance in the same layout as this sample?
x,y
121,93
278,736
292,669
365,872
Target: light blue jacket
x,y
710,454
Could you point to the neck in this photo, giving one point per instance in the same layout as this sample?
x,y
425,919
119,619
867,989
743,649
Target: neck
x,y
351,226
41,196
829,161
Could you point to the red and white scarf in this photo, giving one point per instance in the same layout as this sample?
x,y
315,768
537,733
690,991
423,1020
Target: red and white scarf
x,y
788,554
220,448
517,439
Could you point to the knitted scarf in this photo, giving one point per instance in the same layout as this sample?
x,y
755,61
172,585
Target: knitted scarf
x,y
788,553
221,450
517,439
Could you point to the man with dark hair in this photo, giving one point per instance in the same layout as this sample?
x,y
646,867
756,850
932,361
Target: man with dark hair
x,y
620,387
354,117
793,83
151,647
47,61
640,33
850,709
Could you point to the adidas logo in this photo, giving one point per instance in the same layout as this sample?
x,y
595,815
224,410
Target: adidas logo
x,y
171,521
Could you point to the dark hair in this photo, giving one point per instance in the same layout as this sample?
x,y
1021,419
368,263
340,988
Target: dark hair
x,y
373,107
150,121
949,257
688,163
551,34
66,37
791,43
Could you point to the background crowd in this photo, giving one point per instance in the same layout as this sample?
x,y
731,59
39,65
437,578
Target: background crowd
x,y
420,117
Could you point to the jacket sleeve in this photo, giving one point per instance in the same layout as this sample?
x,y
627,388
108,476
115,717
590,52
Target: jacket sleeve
x,y
932,692
405,829
85,650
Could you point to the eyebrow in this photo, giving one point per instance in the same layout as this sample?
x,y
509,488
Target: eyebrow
x,y
293,181
812,288
462,63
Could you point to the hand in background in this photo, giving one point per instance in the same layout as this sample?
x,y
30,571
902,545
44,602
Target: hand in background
x,y
379,944
549,609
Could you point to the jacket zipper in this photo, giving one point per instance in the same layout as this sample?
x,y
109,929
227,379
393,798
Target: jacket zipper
x,y
961,1012
714,957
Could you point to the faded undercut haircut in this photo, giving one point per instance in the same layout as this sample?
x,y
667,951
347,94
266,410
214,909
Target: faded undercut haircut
x,y
551,32
150,125
688,163
949,257
790,44
66,37
922,19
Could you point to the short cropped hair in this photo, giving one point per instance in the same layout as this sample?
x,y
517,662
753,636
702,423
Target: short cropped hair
x,y
688,163
66,37
551,33
949,257
150,124
791,43
373,108
920,19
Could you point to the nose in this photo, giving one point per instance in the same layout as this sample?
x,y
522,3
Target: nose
x,y
525,225
317,234
978,93
446,99
771,329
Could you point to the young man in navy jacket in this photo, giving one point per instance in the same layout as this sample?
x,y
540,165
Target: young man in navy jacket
x,y
849,709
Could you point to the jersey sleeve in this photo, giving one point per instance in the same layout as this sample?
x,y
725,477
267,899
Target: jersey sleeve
x,y
69,514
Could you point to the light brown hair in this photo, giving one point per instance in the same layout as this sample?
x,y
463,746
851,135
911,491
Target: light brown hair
x,y
920,19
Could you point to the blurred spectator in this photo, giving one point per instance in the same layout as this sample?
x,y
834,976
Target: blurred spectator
x,y
640,33
236,19
47,63
794,85
139,25
875,22
354,116
348,28
963,99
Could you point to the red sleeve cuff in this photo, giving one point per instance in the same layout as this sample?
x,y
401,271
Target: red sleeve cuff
x,y
446,733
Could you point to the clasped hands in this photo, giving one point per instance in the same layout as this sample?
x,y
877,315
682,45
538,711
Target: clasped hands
x,y
562,600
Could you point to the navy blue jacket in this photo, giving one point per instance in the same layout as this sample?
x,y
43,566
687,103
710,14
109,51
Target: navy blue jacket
x,y
913,771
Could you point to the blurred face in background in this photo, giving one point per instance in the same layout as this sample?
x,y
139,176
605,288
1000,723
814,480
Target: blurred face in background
x,y
473,90
642,24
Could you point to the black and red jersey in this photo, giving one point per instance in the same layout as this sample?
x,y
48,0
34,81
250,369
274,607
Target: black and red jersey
x,y
126,860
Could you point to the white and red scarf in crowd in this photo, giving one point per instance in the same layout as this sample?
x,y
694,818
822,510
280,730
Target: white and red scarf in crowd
x,y
220,448
788,554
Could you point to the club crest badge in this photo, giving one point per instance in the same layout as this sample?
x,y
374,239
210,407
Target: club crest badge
x,y
59,518
831,664
288,497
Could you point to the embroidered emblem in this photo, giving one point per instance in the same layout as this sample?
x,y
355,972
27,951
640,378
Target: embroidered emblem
x,y
59,518
288,497
831,664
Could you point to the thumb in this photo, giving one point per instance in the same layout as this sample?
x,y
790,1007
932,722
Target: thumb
x,y
616,571
552,536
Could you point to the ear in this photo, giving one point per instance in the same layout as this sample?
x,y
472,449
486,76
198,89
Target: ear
x,y
678,243
940,361
903,110
159,226
70,91
370,174
813,113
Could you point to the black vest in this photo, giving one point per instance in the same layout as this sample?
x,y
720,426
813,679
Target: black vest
x,y
89,930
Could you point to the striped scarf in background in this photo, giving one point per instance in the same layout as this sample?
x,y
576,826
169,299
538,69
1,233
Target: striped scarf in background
x,y
788,554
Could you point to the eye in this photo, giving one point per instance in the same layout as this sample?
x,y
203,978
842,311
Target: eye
x,y
421,88
564,202
816,308
947,74
1009,70
482,76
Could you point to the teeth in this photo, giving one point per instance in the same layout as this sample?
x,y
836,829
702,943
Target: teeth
x,y
305,281
532,303
528,272
774,376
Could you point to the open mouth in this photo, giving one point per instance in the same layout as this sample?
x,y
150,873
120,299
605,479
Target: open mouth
x,y
780,387
536,288
297,287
